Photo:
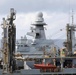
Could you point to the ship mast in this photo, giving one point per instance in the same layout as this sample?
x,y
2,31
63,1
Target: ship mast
x,y
5,46
72,18
70,36
9,39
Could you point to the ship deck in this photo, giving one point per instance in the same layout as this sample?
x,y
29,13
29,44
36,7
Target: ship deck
x,y
37,72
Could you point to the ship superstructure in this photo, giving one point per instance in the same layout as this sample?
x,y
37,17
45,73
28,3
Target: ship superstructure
x,y
39,41
38,32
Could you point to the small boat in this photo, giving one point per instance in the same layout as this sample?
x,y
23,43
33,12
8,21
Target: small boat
x,y
44,66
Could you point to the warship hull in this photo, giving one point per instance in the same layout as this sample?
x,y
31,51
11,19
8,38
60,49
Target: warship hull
x,y
70,71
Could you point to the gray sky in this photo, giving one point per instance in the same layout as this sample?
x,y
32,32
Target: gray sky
x,y
57,14
37,5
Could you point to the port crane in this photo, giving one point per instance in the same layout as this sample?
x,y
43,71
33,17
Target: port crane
x,y
9,38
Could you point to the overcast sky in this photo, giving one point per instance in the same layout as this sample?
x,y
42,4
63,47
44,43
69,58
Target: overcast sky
x,y
57,13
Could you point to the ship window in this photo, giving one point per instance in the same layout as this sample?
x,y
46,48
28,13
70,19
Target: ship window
x,y
25,46
21,45
37,35
18,45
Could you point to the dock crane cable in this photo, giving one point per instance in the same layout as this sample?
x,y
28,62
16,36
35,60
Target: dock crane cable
x,y
57,32
61,36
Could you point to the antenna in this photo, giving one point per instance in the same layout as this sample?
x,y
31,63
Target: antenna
x,y
69,12
72,17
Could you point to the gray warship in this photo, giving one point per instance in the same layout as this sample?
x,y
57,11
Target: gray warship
x,y
39,56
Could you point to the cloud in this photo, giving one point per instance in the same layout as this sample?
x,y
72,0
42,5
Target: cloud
x,y
37,5
23,23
